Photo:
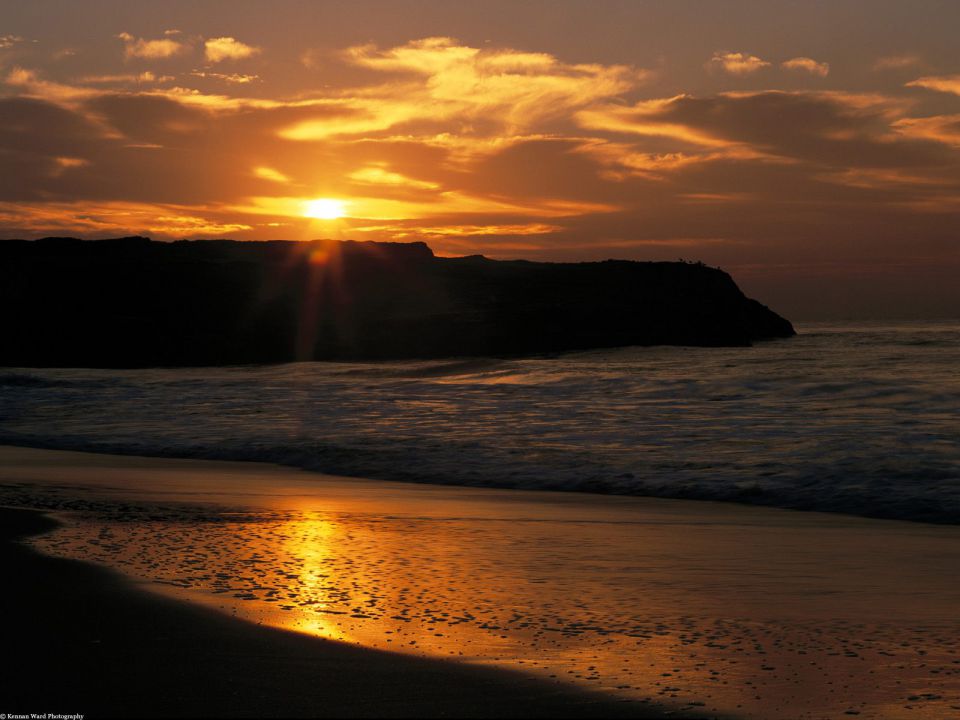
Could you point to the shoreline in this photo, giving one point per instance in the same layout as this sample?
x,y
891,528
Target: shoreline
x,y
406,477
733,610
87,641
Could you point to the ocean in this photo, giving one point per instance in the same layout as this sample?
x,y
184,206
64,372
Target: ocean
x,y
858,418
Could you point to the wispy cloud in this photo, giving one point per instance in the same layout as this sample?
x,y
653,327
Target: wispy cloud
x,y
462,231
268,173
940,83
940,128
234,78
647,117
736,63
897,62
809,65
137,78
159,49
489,91
378,174
8,41
30,84
228,48
830,129
85,218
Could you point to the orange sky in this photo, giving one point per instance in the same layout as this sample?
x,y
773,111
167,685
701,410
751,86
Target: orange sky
x,y
811,149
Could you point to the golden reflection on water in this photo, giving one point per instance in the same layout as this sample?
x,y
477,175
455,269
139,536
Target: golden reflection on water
x,y
663,608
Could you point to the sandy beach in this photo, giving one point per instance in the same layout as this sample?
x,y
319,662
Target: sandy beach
x,y
82,640
456,601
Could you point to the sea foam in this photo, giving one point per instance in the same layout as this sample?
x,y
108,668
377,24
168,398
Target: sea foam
x,y
858,419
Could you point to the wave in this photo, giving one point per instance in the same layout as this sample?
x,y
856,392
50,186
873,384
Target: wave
x,y
887,491
468,366
24,380
861,422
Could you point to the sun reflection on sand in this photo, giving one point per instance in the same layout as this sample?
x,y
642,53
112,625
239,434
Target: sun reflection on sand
x,y
666,601
308,541
557,599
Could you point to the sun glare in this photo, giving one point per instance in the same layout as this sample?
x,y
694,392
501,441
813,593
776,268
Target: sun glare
x,y
325,209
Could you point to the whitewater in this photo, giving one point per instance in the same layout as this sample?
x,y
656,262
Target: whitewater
x,y
859,418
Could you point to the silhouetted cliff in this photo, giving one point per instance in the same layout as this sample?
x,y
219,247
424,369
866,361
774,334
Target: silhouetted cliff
x,y
133,302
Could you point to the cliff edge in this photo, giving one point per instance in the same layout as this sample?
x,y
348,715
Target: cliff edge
x,y
132,302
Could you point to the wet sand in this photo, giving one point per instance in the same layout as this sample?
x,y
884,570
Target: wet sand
x,y
719,608
82,639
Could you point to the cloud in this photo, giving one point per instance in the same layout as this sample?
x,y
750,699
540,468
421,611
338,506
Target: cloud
x,y
69,162
473,92
940,128
8,41
874,178
499,77
313,59
150,49
736,63
644,118
469,230
228,48
143,77
111,218
941,83
30,84
268,173
897,62
805,64
774,142
444,205
378,174
234,78
41,128
486,149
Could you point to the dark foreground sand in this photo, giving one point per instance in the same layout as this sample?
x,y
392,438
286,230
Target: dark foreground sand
x,y
81,639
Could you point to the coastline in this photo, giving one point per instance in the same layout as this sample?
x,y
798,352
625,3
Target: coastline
x,y
699,606
82,639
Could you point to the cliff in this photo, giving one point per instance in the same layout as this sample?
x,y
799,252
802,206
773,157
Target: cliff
x,y
132,302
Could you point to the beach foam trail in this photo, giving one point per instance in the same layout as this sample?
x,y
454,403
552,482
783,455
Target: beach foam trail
x,y
849,418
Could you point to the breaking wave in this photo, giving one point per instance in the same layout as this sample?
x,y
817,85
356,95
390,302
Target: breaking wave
x,y
857,419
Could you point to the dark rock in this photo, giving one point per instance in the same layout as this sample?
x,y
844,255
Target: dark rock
x,y
132,302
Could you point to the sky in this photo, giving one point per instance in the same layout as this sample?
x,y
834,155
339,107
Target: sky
x,y
811,149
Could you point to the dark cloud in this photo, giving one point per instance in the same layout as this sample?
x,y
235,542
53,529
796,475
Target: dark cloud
x,y
834,129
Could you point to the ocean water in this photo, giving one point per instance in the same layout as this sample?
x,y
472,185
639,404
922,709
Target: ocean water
x,y
855,418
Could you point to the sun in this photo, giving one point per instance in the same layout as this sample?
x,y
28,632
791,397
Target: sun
x,y
324,209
